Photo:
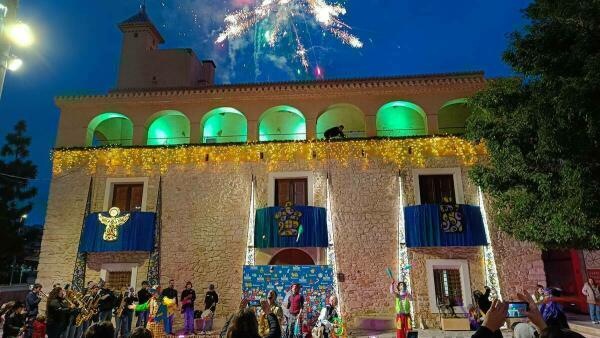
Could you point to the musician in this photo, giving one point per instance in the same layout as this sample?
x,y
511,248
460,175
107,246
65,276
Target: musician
x,y
211,299
123,314
171,293
57,312
32,302
91,293
188,297
143,297
14,321
106,304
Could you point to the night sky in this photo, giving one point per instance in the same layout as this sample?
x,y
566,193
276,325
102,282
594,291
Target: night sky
x,y
78,45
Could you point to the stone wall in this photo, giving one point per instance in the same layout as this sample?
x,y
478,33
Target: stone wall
x,y
205,217
519,264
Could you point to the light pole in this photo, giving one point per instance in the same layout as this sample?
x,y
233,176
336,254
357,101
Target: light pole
x,y
11,32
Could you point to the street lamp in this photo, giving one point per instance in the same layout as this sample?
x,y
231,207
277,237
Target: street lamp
x,y
20,34
12,32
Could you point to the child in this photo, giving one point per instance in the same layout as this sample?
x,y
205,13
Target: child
x,y
306,329
39,327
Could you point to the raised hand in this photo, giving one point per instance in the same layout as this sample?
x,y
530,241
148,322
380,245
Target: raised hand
x,y
496,315
534,315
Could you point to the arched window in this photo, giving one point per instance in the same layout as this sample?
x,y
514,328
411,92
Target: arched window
x,y
453,116
292,257
109,128
401,118
347,115
168,127
223,125
282,123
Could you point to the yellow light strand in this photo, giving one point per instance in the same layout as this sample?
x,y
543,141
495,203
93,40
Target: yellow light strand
x,y
398,152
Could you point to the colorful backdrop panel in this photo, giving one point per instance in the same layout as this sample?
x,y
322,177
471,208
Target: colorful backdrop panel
x,y
316,281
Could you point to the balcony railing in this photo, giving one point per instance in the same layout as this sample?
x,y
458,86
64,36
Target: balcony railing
x,y
440,225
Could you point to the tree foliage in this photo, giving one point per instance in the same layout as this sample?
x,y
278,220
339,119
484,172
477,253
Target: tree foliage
x,y
541,128
15,192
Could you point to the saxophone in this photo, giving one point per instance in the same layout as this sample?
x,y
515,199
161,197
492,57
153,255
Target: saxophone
x,y
122,304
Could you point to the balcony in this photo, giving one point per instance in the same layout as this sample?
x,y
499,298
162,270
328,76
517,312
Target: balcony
x,y
292,226
441,225
125,231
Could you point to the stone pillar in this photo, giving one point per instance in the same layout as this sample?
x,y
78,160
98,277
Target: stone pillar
x,y
139,135
311,129
371,124
195,132
252,130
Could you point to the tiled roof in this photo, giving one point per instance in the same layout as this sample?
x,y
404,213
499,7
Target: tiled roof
x,y
141,19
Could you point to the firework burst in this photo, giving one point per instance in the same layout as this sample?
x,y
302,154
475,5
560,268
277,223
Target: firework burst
x,y
283,16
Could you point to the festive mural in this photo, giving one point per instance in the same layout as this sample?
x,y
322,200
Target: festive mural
x,y
316,281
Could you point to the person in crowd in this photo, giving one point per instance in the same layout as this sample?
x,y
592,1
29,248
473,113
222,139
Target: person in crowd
x,y
124,318
243,325
295,305
334,132
171,293
106,303
524,330
158,313
103,329
57,313
211,299
141,332
327,316
188,297
143,296
483,299
274,324
4,309
275,307
552,311
592,295
32,302
39,327
402,301
474,316
539,295
90,294
14,321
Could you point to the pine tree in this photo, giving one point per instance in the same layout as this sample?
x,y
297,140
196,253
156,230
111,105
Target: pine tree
x,y
15,193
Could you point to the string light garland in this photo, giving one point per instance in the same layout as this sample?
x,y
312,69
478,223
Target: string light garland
x,y
402,152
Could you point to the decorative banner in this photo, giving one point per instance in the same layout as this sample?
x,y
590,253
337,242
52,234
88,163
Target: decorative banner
x,y
290,227
316,281
135,234
451,218
430,225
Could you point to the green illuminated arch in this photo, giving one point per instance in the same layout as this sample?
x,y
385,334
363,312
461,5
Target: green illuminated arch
x,y
282,123
168,127
109,128
453,116
224,124
348,115
401,118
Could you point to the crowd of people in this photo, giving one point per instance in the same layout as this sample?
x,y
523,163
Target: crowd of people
x,y
101,312
71,314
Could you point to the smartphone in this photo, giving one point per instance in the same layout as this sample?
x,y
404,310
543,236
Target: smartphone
x,y
517,309
254,303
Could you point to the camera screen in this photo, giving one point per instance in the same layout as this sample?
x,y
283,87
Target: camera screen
x,y
517,310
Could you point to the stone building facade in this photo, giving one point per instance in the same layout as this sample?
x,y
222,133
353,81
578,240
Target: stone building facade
x,y
205,188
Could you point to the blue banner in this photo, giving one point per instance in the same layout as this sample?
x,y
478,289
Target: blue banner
x,y
316,281
136,233
432,225
291,226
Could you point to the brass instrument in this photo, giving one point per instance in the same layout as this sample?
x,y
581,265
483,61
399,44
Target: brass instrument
x,y
89,309
122,304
